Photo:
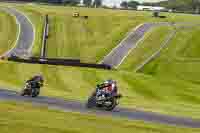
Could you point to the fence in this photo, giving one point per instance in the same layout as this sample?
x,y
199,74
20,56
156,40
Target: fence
x,y
63,62
45,36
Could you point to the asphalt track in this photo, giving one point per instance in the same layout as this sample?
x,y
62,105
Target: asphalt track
x,y
76,106
25,36
119,53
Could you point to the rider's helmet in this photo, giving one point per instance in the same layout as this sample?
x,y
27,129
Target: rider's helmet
x,y
111,84
110,81
39,77
107,82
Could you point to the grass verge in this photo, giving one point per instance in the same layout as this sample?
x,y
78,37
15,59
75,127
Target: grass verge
x,y
8,32
25,118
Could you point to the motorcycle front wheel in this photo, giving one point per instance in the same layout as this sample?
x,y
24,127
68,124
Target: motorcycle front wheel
x,y
91,102
23,93
112,105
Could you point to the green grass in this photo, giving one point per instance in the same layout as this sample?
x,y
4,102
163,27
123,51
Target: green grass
x,y
25,118
179,59
8,32
189,47
69,29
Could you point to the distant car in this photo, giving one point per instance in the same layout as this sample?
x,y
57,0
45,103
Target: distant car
x,y
76,14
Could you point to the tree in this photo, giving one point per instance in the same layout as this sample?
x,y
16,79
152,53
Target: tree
x,y
196,6
87,3
181,5
97,3
133,4
71,2
124,4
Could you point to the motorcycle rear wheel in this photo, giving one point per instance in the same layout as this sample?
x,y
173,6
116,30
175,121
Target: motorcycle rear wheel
x,y
34,93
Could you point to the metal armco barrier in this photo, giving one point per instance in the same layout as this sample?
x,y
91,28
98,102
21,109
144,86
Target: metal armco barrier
x,y
62,62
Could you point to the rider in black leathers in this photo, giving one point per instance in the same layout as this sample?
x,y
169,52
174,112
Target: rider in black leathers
x,y
36,81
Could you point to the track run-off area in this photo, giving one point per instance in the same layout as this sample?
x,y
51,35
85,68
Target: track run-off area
x,y
77,106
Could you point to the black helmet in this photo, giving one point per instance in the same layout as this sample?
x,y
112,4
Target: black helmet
x,y
110,81
39,77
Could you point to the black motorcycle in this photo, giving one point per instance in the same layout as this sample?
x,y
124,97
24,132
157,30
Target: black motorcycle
x,y
101,99
30,89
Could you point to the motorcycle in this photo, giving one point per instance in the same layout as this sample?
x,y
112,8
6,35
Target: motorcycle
x,y
29,90
101,99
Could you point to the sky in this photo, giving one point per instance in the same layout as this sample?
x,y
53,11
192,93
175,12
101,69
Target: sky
x,y
117,2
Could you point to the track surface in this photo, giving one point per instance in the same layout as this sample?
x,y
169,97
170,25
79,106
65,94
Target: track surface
x,y
119,53
25,38
55,103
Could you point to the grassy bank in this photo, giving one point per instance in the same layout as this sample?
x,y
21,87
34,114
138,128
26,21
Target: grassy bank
x,y
8,32
180,59
25,118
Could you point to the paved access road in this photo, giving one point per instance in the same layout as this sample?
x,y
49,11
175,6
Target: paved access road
x,y
76,106
25,36
119,53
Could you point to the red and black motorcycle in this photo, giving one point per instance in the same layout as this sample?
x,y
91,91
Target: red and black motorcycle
x,y
103,98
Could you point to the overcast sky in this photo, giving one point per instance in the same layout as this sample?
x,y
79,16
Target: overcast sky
x,y
117,2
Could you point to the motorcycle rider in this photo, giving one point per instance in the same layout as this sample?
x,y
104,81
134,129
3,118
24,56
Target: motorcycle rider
x,y
105,96
110,87
36,81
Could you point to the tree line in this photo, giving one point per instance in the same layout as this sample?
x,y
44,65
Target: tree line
x,y
179,5
88,3
129,4
176,5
